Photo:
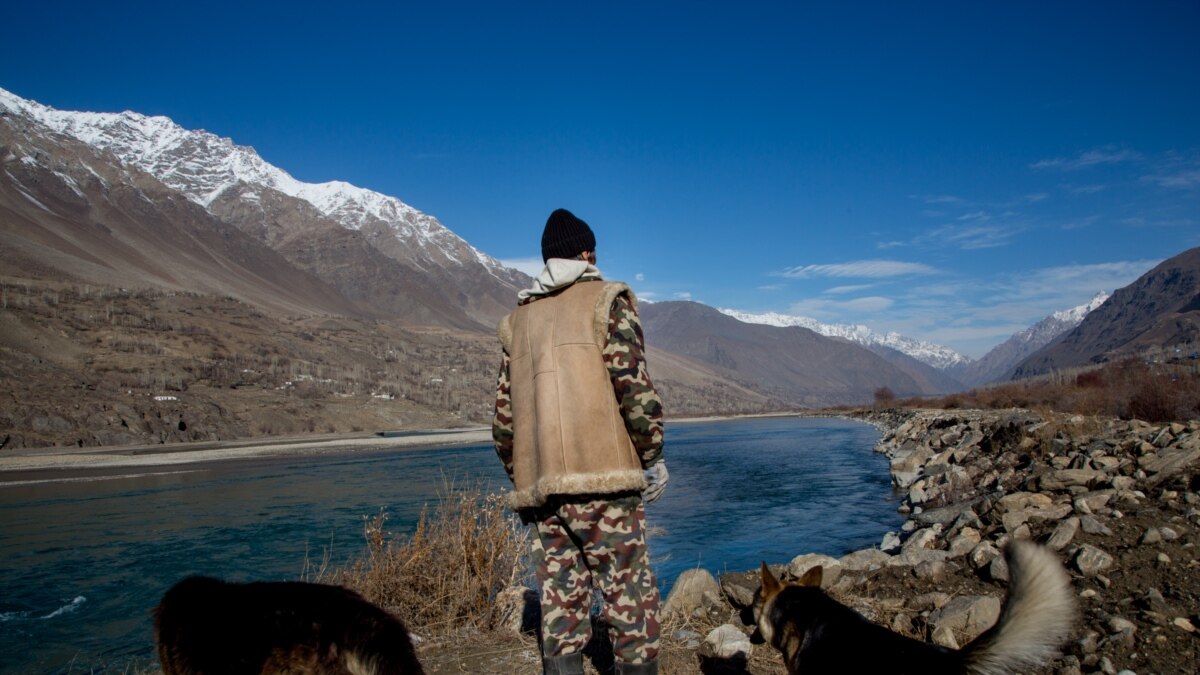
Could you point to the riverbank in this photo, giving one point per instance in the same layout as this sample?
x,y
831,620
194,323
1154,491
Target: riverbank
x,y
1115,500
69,463
26,465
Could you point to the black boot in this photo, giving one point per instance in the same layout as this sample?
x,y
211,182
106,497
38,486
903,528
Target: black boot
x,y
647,668
567,664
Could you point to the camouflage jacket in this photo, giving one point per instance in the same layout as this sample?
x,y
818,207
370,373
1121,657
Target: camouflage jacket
x,y
624,356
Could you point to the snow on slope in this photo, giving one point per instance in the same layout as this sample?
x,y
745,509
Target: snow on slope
x,y
934,355
203,166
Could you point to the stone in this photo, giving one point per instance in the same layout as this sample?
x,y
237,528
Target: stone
x,y
687,595
1014,519
926,538
1168,534
1170,462
916,557
831,569
1119,624
865,560
1063,479
1091,561
944,636
998,569
966,540
1092,525
1063,533
967,615
1151,536
518,609
943,515
983,554
740,587
928,601
1122,482
890,542
1021,501
931,570
1184,624
729,642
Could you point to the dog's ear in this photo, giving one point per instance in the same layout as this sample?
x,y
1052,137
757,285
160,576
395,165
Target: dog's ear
x,y
813,577
770,585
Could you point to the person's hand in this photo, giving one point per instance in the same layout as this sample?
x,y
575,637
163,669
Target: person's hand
x,y
656,481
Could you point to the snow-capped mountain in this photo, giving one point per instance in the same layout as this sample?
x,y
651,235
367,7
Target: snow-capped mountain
x,y
928,353
998,362
208,169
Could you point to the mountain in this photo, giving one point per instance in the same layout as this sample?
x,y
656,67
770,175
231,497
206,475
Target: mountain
x,y
1158,312
942,358
998,363
792,364
443,279
70,212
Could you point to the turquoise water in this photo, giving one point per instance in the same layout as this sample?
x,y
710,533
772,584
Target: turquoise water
x,y
82,564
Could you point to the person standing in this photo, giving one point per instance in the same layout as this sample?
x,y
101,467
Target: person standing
x,y
579,428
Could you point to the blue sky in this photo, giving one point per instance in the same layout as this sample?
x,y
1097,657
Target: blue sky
x,y
952,171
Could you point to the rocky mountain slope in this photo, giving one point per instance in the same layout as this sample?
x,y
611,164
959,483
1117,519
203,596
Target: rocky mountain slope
x,y
791,364
937,356
1153,316
998,363
69,212
445,280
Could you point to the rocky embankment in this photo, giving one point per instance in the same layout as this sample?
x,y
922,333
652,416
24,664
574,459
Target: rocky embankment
x,y
1117,500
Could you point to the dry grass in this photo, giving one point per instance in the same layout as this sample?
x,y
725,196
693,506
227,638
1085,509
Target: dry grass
x,y
448,573
1131,389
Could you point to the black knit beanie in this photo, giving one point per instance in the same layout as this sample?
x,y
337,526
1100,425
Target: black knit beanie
x,y
566,236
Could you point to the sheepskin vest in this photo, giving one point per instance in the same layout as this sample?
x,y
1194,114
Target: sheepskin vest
x,y
569,437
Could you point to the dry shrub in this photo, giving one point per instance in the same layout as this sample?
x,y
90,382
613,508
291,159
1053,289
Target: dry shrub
x,y
1152,392
447,574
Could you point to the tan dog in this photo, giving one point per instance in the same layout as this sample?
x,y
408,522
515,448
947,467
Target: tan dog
x,y
205,626
817,634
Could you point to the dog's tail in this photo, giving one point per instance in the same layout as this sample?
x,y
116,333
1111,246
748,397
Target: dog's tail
x,y
1037,617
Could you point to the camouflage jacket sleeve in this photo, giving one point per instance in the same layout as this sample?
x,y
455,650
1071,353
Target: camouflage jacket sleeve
x,y
502,421
640,405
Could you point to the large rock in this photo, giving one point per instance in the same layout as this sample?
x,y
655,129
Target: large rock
x,y
740,587
831,568
865,560
1091,561
967,615
1065,479
1171,462
728,642
687,595
1063,533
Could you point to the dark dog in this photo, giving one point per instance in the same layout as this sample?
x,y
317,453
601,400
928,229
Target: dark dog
x,y
817,634
205,626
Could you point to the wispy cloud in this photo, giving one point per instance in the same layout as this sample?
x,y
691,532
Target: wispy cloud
x,y
1186,179
840,311
1084,189
683,295
939,199
1084,160
973,235
639,277
868,269
842,290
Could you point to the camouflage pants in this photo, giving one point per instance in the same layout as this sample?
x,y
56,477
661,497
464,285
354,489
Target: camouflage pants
x,y
596,542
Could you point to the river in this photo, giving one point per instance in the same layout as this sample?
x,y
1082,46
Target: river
x,y
83,563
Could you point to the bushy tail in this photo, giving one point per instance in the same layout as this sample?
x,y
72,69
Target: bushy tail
x,y
1037,617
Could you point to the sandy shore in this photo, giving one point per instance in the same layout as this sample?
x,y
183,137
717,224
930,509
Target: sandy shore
x,y
27,465
38,465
